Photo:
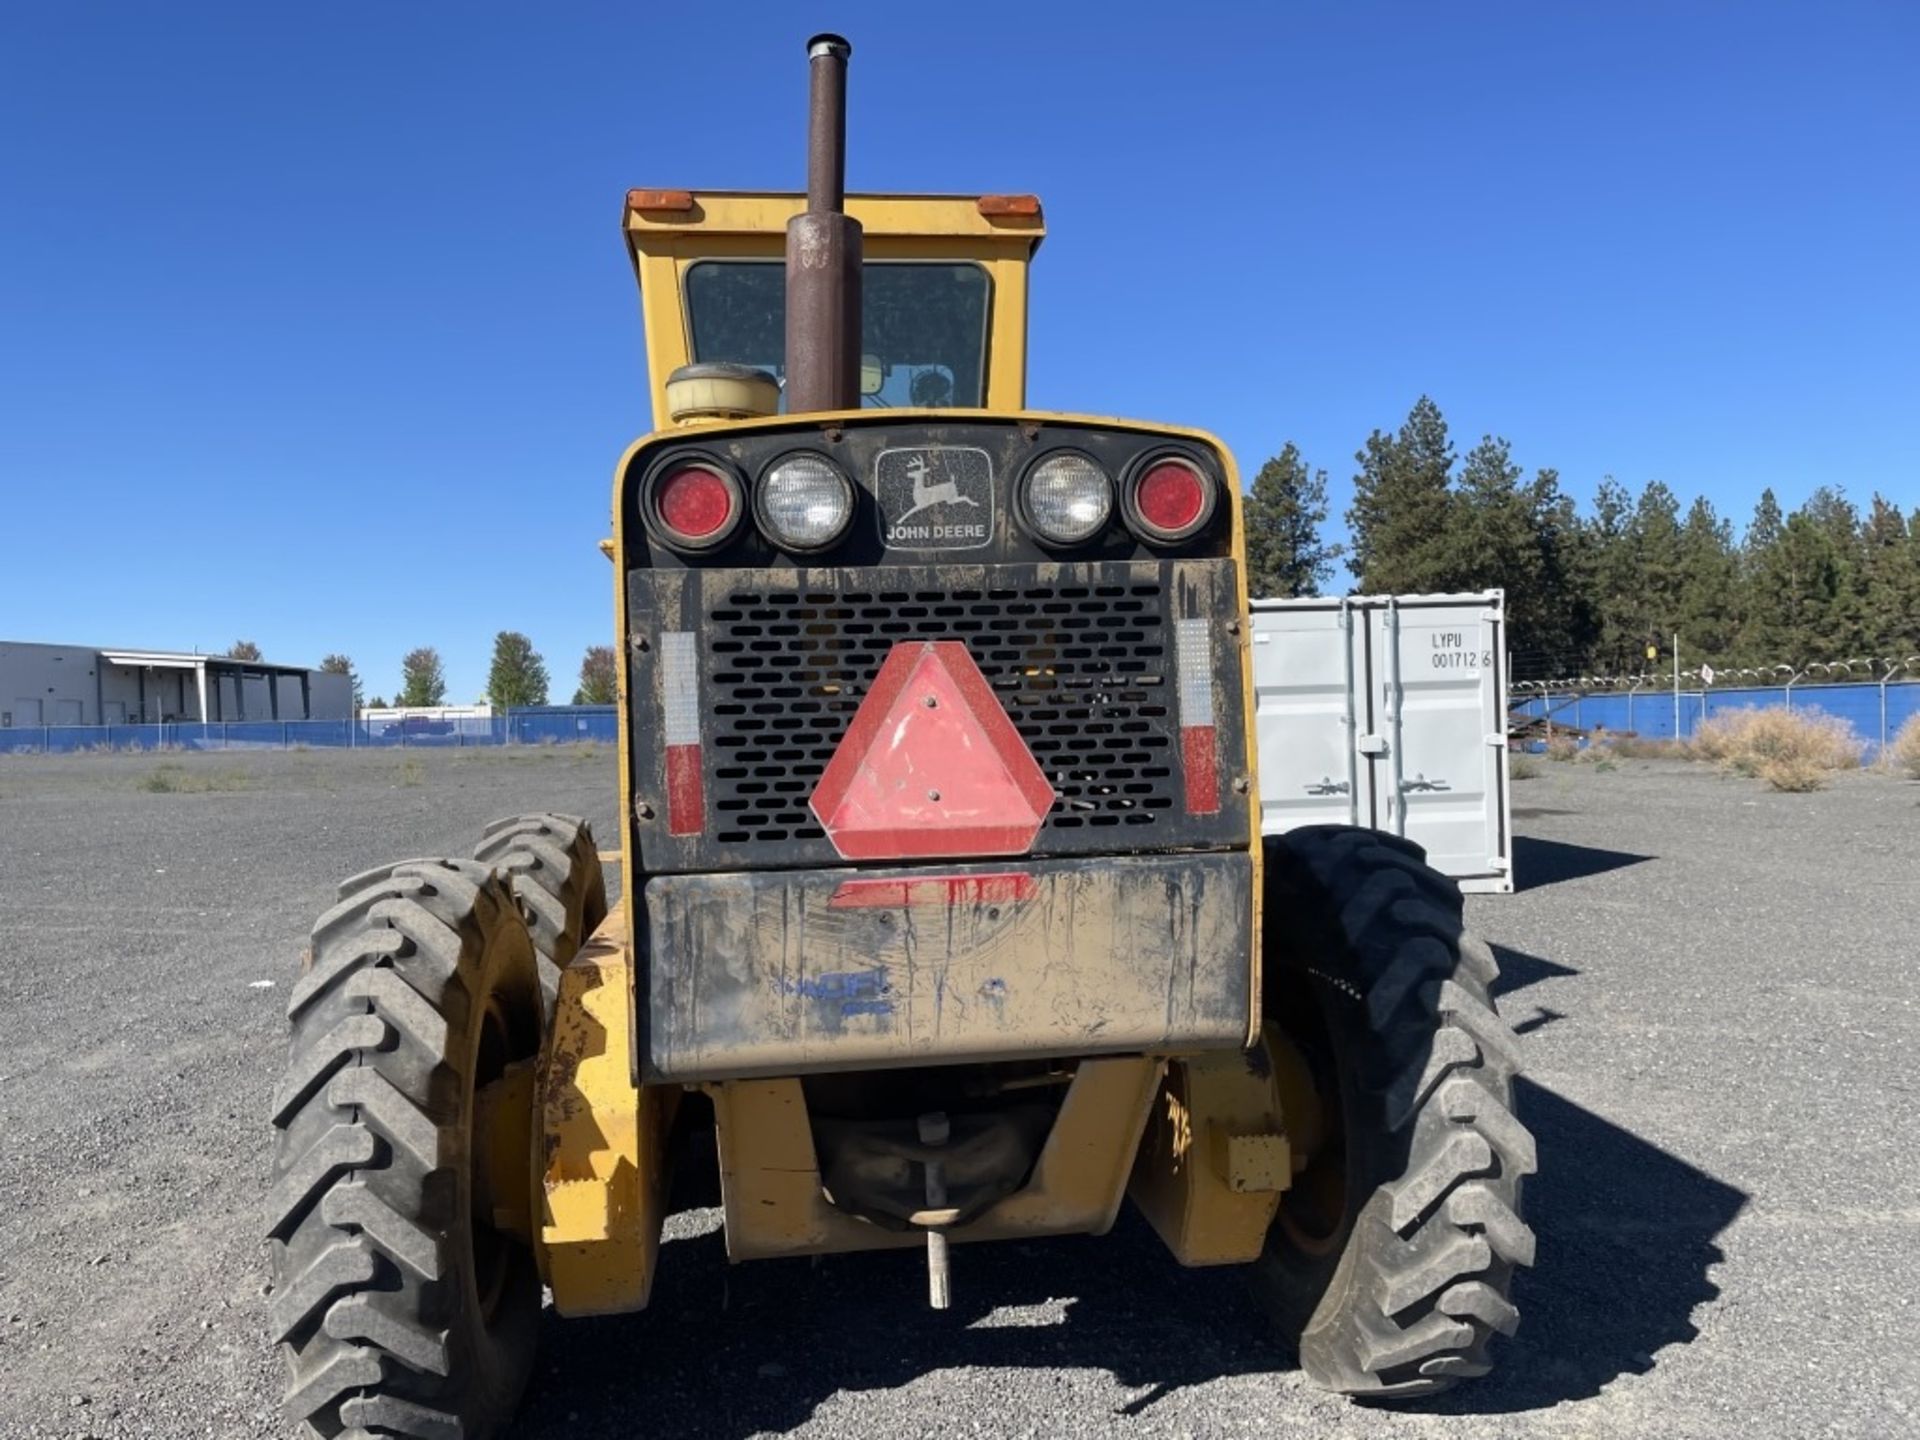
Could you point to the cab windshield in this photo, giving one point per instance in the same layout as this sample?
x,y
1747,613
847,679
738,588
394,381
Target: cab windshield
x,y
923,326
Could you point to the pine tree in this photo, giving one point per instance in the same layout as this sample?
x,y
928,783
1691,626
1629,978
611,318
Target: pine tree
x,y
518,676
1286,554
342,665
1659,568
1890,582
1559,619
1620,645
1493,530
422,680
1708,612
1795,595
1758,635
1844,629
1402,505
243,650
599,677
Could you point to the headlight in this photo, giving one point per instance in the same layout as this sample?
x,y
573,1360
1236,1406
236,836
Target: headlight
x,y
1067,499
805,503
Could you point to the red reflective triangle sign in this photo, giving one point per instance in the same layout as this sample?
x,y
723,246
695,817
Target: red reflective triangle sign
x,y
931,765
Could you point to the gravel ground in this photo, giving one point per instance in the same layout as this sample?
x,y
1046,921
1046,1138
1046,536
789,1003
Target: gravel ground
x,y
1715,984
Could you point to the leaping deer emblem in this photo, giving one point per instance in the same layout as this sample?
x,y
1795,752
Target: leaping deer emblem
x,y
926,496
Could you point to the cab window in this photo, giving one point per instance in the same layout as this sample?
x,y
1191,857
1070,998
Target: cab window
x,y
923,326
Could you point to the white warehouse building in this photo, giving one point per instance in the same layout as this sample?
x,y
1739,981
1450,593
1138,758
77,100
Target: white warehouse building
x,y
85,685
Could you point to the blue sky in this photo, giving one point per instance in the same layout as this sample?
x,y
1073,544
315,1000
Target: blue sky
x,y
315,325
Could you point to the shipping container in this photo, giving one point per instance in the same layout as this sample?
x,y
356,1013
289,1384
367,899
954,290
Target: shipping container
x,y
1390,712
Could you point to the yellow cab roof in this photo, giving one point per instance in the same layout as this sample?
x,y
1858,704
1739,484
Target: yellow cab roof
x,y
882,217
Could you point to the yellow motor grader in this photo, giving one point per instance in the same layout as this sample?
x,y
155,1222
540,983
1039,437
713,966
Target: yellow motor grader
x,y
946,903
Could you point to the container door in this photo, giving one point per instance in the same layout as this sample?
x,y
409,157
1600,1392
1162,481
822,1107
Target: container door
x,y
1303,685
1439,684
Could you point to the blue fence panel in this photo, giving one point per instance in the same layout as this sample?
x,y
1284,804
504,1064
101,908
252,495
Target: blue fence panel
x,y
1870,711
23,740
458,733
134,737
566,725
253,735
327,734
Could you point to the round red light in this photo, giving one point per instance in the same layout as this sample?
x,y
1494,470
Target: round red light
x,y
695,503
1171,498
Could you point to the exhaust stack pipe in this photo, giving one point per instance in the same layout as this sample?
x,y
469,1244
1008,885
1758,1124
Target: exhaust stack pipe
x,y
824,250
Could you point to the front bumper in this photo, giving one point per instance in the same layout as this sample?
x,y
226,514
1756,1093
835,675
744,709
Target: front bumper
x,y
792,972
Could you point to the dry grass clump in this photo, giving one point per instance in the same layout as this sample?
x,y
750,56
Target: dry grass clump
x,y
1632,747
1905,750
1563,747
1793,751
1606,747
179,780
1522,767
1792,777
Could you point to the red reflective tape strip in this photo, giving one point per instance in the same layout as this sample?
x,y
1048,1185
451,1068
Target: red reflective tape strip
x,y
686,793
1202,769
1193,653
946,890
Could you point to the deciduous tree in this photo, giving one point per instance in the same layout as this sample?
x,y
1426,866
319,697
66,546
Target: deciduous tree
x,y
599,677
423,681
518,676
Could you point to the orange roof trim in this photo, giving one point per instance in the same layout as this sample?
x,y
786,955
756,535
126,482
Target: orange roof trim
x,y
677,202
1023,205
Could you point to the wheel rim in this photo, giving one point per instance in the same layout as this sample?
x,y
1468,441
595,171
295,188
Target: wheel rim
x,y
492,1256
1313,1210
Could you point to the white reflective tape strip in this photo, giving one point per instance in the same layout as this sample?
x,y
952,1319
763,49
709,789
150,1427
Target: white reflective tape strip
x,y
1193,654
680,687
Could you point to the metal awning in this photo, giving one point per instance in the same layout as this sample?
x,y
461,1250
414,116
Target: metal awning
x,y
182,660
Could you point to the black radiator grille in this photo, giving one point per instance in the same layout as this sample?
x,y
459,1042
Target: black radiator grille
x,y
1084,670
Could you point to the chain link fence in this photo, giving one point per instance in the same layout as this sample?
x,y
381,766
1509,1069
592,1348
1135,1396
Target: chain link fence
x,y
544,725
1875,698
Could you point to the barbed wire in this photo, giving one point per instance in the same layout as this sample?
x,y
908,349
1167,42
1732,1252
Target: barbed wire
x,y
1860,670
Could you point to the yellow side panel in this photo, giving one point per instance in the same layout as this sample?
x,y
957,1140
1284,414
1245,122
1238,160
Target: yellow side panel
x,y
1215,1158
603,1143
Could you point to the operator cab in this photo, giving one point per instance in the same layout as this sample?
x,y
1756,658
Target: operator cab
x,y
944,310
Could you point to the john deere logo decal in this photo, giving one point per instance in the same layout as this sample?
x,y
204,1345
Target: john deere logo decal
x,y
937,497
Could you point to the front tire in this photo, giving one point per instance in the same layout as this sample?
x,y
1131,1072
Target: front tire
x,y
551,865
400,1309
1392,1256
